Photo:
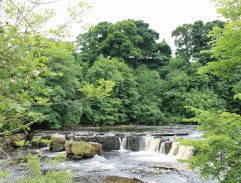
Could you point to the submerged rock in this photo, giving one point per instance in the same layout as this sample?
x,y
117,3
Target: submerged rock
x,y
81,149
164,134
166,147
115,179
57,143
181,133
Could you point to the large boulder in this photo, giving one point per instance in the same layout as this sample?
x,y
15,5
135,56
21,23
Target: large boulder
x,y
84,138
109,142
166,147
97,146
57,143
112,179
39,141
14,140
134,143
81,149
43,135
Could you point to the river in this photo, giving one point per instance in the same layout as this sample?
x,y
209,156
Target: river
x,y
148,162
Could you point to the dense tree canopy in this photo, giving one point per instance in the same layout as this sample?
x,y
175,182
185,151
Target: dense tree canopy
x,y
121,73
31,63
218,155
191,39
130,40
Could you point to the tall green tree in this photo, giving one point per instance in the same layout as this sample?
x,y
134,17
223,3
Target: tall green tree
x,y
191,39
25,63
63,87
116,108
218,155
185,87
132,41
147,110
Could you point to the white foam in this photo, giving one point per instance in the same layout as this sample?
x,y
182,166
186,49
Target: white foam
x,y
147,156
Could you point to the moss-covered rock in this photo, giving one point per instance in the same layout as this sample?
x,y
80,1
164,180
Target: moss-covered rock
x,y
81,149
38,141
116,179
57,143
97,146
13,140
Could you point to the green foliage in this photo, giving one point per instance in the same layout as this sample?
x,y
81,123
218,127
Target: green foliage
x,y
21,143
114,108
192,40
31,63
226,48
218,155
185,87
34,174
50,176
81,148
5,175
149,86
133,41
100,90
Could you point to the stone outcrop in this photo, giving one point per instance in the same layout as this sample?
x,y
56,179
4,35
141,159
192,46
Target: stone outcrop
x,y
166,147
181,133
133,143
43,135
164,134
111,179
108,142
39,141
13,140
57,143
81,149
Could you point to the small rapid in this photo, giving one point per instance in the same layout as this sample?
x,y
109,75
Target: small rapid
x,y
151,157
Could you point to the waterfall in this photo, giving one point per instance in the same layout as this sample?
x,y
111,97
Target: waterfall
x,y
184,152
181,151
162,148
122,144
174,149
154,145
141,143
149,143
165,147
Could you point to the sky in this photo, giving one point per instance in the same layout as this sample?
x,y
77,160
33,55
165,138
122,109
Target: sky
x,y
162,15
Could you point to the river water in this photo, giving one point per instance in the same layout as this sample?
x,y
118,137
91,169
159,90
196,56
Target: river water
x,y
150,162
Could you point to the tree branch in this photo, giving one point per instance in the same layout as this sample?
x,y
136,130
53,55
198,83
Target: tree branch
x,y
21,127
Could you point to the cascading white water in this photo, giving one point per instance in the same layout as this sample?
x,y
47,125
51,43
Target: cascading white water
x,y
174,149
162,148
180,151
184,152
149,143
122,144
154,145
